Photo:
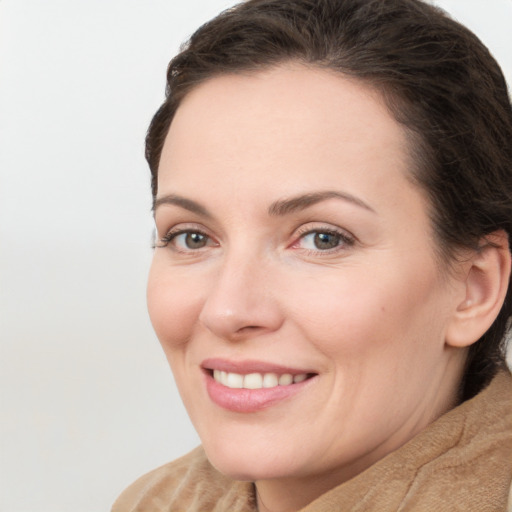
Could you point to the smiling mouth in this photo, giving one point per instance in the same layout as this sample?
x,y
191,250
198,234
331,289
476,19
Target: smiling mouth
x,y
257,380
251,386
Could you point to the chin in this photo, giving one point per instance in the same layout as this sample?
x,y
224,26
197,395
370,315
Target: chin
x,y
249,464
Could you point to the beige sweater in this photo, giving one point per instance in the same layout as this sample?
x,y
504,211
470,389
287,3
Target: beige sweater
x,y
461,462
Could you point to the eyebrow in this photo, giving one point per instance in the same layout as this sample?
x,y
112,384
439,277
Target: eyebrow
x,y
277,208
301,202
183,202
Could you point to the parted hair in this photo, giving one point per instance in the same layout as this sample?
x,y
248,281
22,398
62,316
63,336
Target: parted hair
x,y
439,82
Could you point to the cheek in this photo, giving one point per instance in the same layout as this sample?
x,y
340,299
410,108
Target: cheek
x,y
173,306
343,323
368,312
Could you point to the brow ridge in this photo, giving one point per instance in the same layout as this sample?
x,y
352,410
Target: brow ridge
x,y
277,208
303,201
182,202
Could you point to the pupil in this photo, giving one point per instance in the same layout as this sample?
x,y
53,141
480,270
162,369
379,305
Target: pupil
x,y
195,240
326,241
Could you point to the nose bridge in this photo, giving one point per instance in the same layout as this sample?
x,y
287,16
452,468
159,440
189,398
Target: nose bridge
x,y
240,299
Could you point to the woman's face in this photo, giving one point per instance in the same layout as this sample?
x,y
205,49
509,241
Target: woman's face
x,y
294,287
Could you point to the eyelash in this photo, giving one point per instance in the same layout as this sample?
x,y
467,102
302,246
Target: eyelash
x,y
345,240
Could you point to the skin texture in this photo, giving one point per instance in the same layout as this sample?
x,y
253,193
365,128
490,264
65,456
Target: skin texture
x,y
371,317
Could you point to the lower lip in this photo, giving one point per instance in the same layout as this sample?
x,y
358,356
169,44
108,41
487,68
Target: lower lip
x,y
250,400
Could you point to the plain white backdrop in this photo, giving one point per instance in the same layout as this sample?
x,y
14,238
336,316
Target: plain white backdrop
x,y
87,402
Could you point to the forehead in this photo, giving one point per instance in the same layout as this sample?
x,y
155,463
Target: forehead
x,y
293,125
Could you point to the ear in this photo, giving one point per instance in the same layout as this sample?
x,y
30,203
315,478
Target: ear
x,y
486,279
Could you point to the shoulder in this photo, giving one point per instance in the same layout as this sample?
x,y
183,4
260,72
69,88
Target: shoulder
x,y
190,483
472,469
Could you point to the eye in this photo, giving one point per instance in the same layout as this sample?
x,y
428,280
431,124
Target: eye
x,y
186,240
191,240
323,240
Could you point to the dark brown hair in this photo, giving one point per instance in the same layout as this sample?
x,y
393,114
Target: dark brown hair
x,y
439,81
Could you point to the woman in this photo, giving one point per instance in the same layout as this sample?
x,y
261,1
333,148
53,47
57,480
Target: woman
x,y
333,200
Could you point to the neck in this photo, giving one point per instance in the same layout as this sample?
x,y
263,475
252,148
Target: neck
x,y
292,494
282,497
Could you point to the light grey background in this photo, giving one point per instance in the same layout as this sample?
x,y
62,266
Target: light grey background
x,y
87,402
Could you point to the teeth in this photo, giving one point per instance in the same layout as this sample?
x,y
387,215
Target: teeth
x,y
286,379
270,380
257,380
235,380
253,381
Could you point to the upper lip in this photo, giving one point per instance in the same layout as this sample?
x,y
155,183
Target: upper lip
x,y
250,366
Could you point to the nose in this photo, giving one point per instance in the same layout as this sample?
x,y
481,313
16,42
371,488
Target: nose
x,y
242,301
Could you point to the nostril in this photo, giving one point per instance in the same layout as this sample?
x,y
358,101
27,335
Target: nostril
x,y
248,328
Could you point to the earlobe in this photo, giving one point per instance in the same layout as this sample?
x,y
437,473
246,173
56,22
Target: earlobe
x,y
486,282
